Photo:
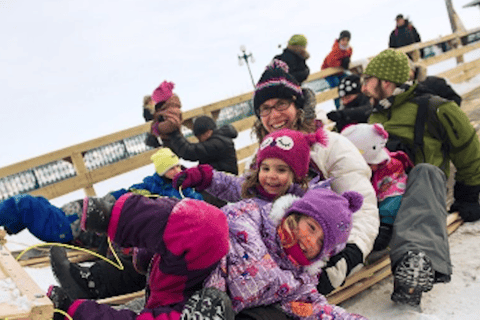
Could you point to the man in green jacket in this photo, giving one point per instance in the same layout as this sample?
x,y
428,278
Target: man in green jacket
x,y
419,246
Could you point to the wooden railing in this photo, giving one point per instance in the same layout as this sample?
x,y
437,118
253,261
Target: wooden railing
x,y
83,165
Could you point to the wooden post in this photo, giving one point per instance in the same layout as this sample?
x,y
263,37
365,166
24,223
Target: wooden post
x,y
81,169
457,26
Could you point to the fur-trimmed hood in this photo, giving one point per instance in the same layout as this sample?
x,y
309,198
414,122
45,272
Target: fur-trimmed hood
x,y
301,51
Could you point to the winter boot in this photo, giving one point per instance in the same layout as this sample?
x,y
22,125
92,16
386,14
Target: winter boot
x,y
208,304
60,300
69,275
96,214
412,276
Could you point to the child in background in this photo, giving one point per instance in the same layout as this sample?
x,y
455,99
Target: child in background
x,y
355,107
102,280
389,174
168,116
273,250
338,57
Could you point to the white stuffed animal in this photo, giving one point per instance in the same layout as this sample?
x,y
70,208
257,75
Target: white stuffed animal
x,y
370,139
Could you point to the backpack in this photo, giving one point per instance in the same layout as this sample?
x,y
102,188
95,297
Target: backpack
x,y
426,115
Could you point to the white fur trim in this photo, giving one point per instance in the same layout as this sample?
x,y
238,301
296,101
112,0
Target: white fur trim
x,y
316,267
280,206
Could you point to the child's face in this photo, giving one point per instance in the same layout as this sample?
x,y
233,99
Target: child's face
x,y
172,172
275,176
310,236
344,42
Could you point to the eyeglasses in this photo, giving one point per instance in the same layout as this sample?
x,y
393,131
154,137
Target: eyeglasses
x,y
281,105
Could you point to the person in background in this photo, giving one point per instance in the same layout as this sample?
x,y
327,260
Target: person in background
x,y
419,248
432,84
256,250
295,56
355,107
338,57
148,108
102,280
215,147
389,174
168,115
403,35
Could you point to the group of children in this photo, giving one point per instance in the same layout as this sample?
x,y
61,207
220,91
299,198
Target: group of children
x,y
266,246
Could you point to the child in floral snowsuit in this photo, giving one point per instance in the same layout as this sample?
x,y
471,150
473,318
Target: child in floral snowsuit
x,y
270,252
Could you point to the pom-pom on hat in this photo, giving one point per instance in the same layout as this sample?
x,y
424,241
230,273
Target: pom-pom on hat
x,y
291,146
163,92
349,85
345,34
202,124
333,212
164,160
276,82
370,139
389,65
298,40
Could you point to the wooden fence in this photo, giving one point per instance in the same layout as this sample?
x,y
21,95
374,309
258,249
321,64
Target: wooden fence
x,y
83,165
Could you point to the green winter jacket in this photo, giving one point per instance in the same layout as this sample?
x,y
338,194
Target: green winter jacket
x,y
459,135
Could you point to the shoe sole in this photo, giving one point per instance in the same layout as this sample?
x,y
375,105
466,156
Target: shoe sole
x,y
208,304
61,271
413,276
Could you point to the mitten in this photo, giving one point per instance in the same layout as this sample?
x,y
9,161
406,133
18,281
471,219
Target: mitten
x,y
60,300
335,116
96,214
199,177
466,202
345,62
384,236
338,268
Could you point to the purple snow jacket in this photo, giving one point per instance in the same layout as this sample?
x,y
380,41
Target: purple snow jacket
x,y
256,270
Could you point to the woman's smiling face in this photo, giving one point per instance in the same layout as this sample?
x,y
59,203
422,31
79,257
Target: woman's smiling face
x,y
277,120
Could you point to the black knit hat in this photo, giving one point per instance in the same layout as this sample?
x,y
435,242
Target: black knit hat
x,y
345,34
202,124
276,82
349,85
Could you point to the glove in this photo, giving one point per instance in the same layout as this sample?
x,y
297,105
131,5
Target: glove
x,y
199,178
335,116
384,236
345,62
338,268
466,202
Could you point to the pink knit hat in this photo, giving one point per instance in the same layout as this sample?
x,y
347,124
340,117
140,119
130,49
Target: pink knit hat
x,y
291,146
163,92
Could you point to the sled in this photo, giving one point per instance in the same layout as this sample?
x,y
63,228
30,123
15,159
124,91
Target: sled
x,y
29,301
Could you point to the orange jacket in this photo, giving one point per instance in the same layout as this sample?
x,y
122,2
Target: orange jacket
x,y
334,58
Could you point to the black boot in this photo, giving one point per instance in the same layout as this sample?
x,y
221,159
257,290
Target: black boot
x,y
208,303
60,300
63,272
384,236
413,275
96,214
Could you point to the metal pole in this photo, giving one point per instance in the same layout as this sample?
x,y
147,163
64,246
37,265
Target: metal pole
x,y
245,57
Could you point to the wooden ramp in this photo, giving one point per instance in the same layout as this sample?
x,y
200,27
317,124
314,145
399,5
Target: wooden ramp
x,y
27,300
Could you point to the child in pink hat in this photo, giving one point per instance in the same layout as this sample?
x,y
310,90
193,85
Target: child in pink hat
x,y
168,115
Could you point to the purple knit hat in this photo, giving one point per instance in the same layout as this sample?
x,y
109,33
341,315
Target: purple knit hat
x,y
291,146
163,92
333,212
276,82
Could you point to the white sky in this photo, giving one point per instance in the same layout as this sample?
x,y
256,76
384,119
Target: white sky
x,y
72,71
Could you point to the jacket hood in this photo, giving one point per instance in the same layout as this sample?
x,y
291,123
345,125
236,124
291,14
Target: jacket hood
x,y
228,131
299,50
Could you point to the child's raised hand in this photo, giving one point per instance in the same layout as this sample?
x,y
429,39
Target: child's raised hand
x,y
199,177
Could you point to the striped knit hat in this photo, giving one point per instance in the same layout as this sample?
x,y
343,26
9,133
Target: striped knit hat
x,y
276,82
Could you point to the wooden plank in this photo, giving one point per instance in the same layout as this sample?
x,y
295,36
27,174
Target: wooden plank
x,y
467,75
81,169
246,151
39,305
244,124
451,54
459,69
122,299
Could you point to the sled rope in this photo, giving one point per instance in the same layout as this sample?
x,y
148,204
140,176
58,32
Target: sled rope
x,y
118,263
